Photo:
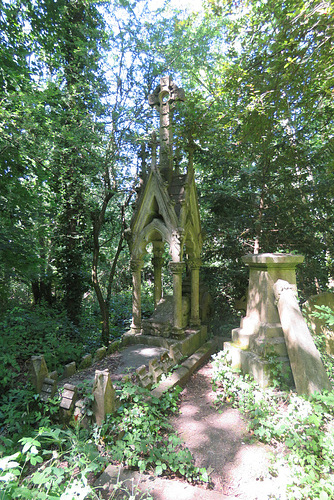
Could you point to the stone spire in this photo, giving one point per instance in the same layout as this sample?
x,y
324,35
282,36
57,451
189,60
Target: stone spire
x,y
163,99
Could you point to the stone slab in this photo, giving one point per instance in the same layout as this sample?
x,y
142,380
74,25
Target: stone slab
x,y
86,362
134,356
182,374
308,371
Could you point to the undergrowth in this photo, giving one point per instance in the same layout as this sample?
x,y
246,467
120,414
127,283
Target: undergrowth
x,y
304,426
53,462
140,435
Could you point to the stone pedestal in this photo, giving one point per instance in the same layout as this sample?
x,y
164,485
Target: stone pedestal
x,y
136,266
260,332
177,269
264,270
194,266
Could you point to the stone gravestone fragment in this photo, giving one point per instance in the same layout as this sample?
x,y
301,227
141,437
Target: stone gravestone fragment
x,y
86,361
166,362
104,396
307,368
80,413
49,388
69,370
68,399
100,353
155,370
175,353
145,377
54,375
38,372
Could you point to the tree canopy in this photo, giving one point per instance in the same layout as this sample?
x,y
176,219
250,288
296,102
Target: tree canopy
x,y
75,126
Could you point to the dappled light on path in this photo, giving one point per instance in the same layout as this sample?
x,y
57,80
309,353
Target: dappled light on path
x,y
220,442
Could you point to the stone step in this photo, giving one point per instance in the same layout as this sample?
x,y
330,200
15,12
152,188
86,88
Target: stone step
x,y
251,363
266,347
241,337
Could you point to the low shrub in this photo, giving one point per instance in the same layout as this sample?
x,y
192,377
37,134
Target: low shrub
x,y
305,427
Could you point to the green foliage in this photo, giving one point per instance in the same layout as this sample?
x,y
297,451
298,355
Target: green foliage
x,y
54,462
22,410
24,332
279,373
304,426
140,435
326,314
51,464
27,331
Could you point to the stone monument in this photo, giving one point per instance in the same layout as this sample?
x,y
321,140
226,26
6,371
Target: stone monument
x,y
274,325
167,216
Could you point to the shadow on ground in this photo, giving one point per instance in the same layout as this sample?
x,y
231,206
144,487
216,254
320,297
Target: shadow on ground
x,y
218,441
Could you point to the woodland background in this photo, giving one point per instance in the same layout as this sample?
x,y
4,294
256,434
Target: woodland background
x,y
75,124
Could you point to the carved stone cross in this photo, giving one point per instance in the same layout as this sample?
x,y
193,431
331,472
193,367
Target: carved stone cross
x,y
163,99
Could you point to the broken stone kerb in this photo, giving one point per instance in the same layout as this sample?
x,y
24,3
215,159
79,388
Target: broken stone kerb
x,y
308,371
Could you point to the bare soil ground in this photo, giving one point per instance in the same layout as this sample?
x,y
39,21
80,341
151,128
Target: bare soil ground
x,y
220,442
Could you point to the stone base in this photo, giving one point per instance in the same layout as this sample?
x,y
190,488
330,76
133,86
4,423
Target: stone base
x,y
248,362
129,338
252,344
193,339
160,324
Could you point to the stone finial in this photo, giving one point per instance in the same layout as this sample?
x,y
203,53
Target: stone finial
x,y
104,396
153,144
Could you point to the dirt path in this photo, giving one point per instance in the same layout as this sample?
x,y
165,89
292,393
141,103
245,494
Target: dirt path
x,y
218,441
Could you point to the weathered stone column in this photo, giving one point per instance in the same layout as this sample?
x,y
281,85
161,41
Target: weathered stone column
x,y
308,371
264,270
157,262
177,270
136,266
194,266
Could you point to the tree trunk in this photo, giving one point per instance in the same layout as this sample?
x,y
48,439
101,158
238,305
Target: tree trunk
x,y
104,308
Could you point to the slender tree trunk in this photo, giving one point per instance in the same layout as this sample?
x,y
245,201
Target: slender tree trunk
x,y
104,309
258,223
258,226
113,268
